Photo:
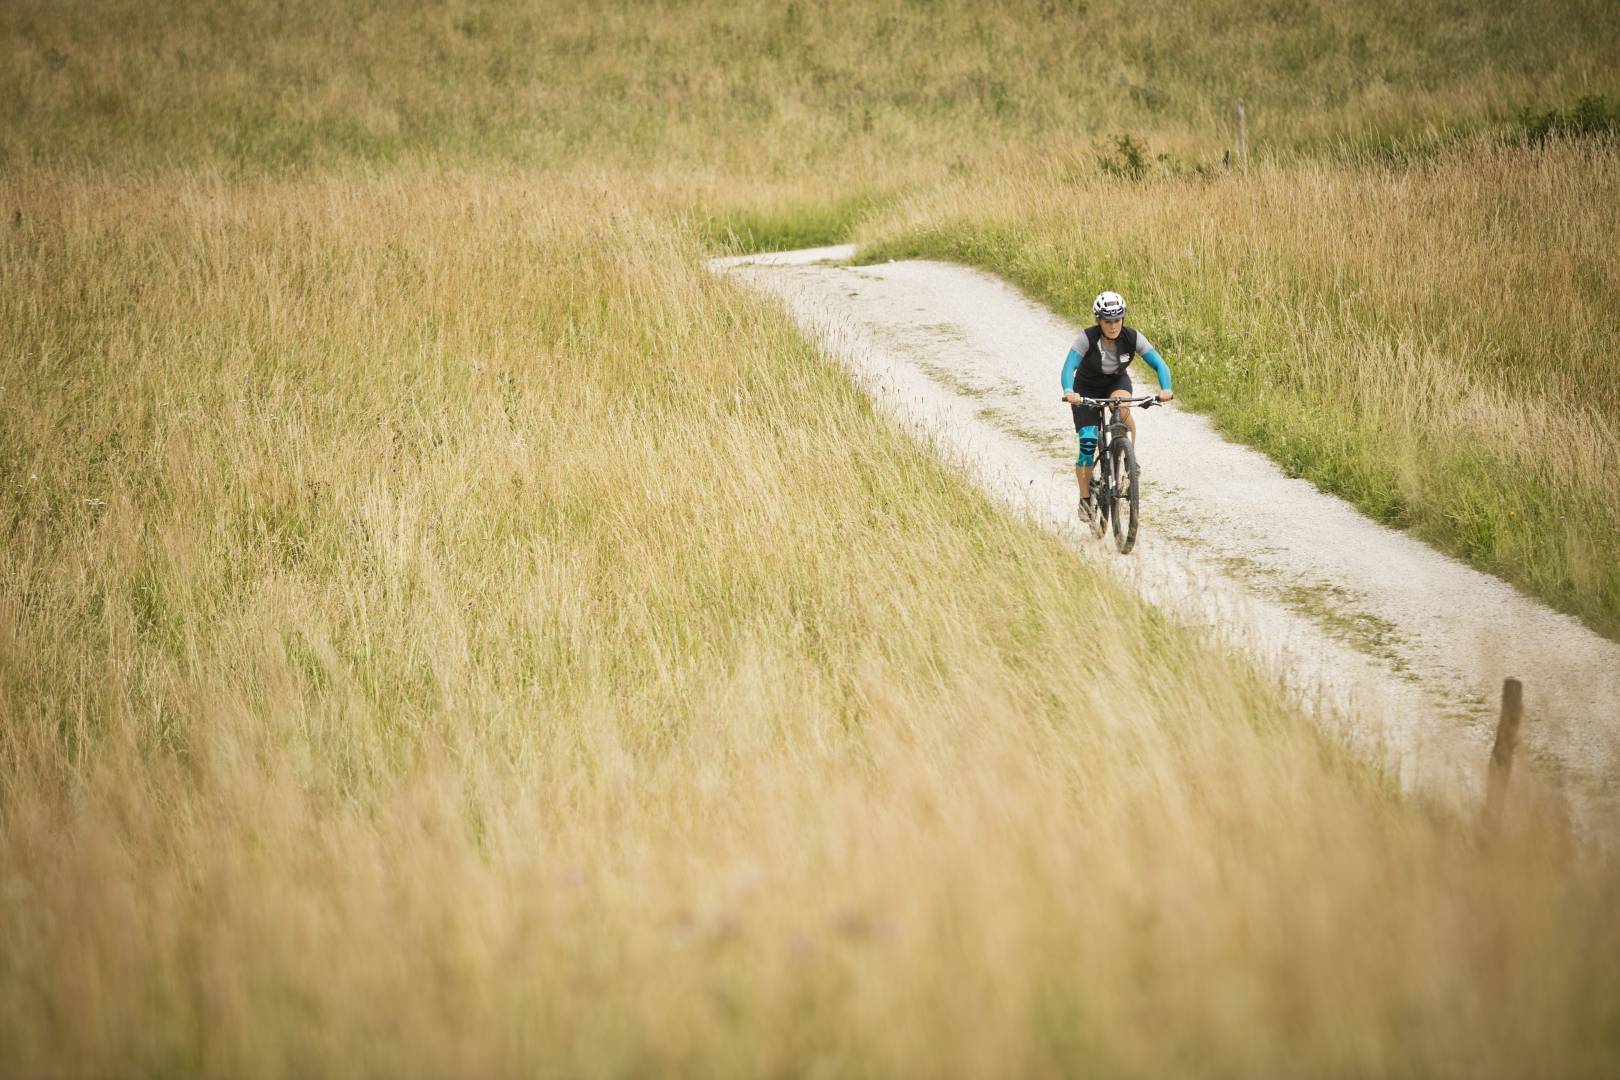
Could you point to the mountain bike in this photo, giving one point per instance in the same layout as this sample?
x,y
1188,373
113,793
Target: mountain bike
x,y
1115,485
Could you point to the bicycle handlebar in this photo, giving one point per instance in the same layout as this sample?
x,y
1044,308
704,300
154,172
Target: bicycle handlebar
x,y
1146,402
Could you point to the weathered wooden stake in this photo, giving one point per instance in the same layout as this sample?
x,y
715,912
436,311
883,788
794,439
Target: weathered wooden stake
x,y
1507,737
1242,136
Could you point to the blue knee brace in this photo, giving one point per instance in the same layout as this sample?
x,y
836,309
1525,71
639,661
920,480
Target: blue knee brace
x,y
1088,446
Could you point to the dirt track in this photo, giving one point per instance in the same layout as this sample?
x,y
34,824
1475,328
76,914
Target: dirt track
x,y
1398,648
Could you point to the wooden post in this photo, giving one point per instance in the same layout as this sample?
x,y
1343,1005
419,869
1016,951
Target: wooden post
x,y
1507,738
1242,137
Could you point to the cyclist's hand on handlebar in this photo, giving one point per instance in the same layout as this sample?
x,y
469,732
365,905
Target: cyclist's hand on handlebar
x,y
1072,399
1164,396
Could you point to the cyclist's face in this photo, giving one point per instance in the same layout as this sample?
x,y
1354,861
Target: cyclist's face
x,y
1110,327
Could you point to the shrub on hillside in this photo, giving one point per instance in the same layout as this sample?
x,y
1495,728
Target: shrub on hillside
x,y
1590,116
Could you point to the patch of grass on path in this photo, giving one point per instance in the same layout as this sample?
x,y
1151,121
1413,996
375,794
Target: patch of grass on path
x,y
753,227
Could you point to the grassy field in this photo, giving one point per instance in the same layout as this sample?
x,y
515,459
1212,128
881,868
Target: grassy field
x,y
877,92
445,630
795,124
448,630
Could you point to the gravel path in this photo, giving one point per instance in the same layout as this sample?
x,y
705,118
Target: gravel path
x,y
1399,649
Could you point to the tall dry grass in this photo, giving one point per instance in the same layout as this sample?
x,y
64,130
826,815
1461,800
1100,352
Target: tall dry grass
x,y
446,630
1436,342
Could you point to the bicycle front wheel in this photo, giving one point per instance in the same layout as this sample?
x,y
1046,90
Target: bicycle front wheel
x,y
1099,495
1127,497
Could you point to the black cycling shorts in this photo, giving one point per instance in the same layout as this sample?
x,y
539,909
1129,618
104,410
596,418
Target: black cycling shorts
x,y
1091,415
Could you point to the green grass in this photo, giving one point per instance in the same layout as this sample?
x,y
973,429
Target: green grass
x,y
747,229
1363,327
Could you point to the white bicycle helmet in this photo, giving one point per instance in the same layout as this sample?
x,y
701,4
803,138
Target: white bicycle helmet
x,y
1108,305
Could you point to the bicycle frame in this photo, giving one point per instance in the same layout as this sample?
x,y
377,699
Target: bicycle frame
x,y
1105,486
1115,424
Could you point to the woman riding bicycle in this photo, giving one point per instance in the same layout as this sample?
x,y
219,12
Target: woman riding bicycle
x,y
1096,368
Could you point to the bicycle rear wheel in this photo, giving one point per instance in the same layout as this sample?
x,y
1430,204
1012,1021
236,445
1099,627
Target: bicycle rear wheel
x,y
1127,503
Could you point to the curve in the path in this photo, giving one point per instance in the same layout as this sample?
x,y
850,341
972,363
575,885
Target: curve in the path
x,y
1400,648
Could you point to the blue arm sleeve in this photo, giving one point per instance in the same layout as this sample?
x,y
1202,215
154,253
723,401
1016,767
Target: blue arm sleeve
x,y
1070,366
1160,368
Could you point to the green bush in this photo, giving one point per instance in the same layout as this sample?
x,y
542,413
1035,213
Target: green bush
x,y
1590,116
